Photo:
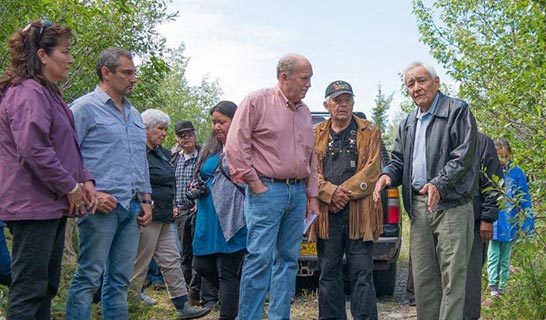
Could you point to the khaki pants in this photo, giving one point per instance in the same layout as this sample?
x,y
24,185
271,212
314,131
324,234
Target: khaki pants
x,y
158,240
69,251
441,243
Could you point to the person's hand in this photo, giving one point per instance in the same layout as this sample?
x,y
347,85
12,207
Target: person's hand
x,y
340,199
486,230
105,202
312,207
145,217
76,201
90,196
257,186
176,212
192,210
433,196
382,182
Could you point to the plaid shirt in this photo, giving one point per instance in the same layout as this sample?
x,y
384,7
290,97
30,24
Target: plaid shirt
x,y
183,173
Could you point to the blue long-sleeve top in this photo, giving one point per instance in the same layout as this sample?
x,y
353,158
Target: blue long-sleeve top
x,y
506,227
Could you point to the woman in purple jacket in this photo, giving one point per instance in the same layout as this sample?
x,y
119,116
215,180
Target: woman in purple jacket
x,y
41,169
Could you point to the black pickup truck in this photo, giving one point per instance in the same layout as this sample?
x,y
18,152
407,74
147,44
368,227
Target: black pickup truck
x,y
386,249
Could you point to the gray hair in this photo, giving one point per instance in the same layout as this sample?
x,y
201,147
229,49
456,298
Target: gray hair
x,y
154,117
328,98
109,58
425,65
502,143
289,63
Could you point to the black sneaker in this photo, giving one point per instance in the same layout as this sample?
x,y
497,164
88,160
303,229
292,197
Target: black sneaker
x,y
191,312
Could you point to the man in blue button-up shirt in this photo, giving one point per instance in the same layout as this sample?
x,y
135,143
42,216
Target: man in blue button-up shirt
x,y
112,139
419,178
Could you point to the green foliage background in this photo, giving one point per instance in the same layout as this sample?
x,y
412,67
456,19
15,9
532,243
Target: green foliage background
x,y
128,24
382,105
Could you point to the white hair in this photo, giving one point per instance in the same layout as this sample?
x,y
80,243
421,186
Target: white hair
x,y
328,98
425,65
154,117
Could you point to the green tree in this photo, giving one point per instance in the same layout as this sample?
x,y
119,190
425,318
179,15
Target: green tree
x,y
98,24
128,24
497,51
184,102
379,111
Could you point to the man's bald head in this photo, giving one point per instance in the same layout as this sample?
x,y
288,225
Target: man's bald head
x,y
288,64
294,73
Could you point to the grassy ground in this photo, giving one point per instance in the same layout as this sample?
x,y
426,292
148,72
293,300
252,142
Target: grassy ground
x,y
305,306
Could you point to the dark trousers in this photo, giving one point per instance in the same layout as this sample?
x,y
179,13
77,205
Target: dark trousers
x,y
410,291
223,271
359,256
36,267
199,289
473,297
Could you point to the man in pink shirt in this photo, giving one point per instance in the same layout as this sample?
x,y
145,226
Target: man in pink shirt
x,y
270,147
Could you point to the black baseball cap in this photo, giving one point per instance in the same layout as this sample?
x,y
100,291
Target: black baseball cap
x,y
338,87
182,126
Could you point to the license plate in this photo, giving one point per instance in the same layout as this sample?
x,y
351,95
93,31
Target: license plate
x,y
308,249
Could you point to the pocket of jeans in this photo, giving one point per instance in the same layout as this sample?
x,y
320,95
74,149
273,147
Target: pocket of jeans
x,y
267,187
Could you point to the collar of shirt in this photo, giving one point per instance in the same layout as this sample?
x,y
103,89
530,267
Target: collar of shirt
x,y
188,156
107,100
288,103
430,110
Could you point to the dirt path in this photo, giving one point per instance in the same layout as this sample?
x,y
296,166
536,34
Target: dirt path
x,y
396,307
305,306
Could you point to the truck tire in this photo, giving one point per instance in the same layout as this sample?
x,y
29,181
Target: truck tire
x,y
385,280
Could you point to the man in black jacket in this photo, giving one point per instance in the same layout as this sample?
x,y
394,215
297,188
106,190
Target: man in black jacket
x,y
433,158
485,213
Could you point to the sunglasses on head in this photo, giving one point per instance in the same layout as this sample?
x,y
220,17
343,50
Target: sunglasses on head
x,y
44,24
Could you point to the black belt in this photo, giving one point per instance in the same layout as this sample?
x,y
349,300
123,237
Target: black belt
x,y
285,181
416,193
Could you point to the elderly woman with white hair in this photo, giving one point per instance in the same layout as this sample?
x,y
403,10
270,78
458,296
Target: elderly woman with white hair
x,y
158,240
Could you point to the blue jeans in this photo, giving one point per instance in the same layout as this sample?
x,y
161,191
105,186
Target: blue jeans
x,y
5,259
108,244
275,221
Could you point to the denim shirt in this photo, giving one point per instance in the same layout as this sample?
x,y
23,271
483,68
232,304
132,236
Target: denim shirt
x,y
113,145
420,146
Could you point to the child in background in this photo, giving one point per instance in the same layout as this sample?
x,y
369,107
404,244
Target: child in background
x,y
506,227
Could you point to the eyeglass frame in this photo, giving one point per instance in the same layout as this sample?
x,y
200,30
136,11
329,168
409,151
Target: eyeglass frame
x,y
186,134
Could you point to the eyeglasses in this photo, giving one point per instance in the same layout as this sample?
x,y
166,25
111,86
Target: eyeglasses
x,y
44,24
185,135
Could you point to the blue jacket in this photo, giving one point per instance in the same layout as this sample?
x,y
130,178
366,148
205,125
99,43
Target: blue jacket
x,y
506,226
